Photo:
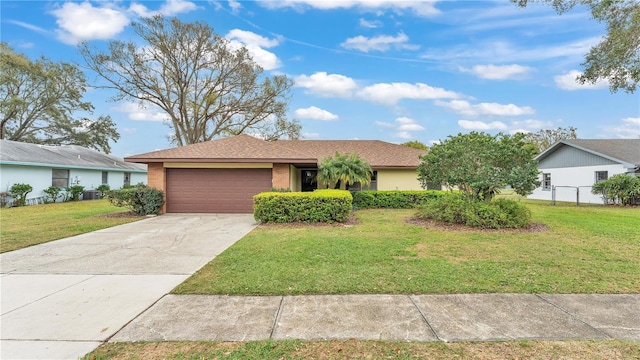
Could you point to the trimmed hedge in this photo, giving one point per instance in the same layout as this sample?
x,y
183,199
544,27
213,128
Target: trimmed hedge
x,y
141,199
393,199
319,206
497,214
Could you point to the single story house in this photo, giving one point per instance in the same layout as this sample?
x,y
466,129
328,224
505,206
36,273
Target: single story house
x,y
223,175
42,166
569,166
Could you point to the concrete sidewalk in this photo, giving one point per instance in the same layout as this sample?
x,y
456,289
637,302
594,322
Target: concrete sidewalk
x,y
466,317
62,299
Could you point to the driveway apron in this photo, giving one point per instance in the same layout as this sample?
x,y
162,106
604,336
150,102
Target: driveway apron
x,y
62,299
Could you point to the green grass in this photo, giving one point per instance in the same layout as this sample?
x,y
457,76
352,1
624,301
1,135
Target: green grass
x,y
355,349
592,249
30,225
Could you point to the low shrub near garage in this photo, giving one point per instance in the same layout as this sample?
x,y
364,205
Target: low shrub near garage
x,y
319,206
141,199
496,214
393,199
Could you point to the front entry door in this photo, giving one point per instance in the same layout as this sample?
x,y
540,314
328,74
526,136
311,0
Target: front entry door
x,y
309,182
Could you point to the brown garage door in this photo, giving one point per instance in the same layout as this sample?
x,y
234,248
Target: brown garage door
x,y
215,190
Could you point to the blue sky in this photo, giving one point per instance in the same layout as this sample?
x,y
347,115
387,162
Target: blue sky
x,y
366,69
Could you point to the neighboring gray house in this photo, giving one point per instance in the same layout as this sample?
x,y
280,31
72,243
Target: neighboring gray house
x,y
42,166
572,165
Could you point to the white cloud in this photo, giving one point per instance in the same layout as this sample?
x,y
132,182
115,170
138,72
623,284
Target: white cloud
x,y
137,113
420,8
404,127
531,125
327,85
255,44
481,125
488,51
499,72
383,124
248,37
310,135
391,93
81,21
315,113
378,43
568,82
169,8
27,26
370,24
463,107
235,6
629,128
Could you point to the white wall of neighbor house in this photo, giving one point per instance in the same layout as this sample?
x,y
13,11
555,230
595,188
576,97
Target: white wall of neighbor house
x,y
38,177
582,176
41,178
392,179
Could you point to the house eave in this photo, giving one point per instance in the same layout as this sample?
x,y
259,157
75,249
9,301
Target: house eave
x,y
22,163
217,160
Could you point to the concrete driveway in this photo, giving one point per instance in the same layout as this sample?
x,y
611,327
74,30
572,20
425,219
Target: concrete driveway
x,y
62,299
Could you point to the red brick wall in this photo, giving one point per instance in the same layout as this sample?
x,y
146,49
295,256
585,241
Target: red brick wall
x,y
281,177
157,178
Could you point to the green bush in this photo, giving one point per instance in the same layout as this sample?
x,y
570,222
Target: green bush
x,y
74,192
393,199
319,206
141,199
621,189
497,214
19,193
51,194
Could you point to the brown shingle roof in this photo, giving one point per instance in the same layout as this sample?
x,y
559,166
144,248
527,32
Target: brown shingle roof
x,y
245,148
378,153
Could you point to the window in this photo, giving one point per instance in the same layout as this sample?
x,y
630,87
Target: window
x,y
546,181
105,177
127,179
601,176
372,186
60,178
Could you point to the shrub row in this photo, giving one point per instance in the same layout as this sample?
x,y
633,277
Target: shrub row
x,y
621,189
497,214
318,206
393,199
141,199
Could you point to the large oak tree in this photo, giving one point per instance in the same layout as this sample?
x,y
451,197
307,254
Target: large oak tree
x,y
207,87
40,101
544,138
617,57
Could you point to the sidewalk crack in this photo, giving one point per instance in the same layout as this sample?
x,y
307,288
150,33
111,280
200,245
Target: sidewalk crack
x,y
424,318
277,319
573,316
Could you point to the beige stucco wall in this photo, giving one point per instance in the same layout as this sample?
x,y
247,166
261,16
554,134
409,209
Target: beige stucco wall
x,y
398,180
294,173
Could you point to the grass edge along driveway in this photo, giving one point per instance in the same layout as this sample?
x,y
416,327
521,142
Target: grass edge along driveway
x,y
25,226
590,249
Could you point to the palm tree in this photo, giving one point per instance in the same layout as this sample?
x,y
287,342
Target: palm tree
x,y
345,169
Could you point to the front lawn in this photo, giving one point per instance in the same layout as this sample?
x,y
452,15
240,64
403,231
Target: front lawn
x,y
31,225
356,349
591,249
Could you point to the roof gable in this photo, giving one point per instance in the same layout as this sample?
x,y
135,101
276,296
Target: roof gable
x,y
621,151
20,153
245,148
